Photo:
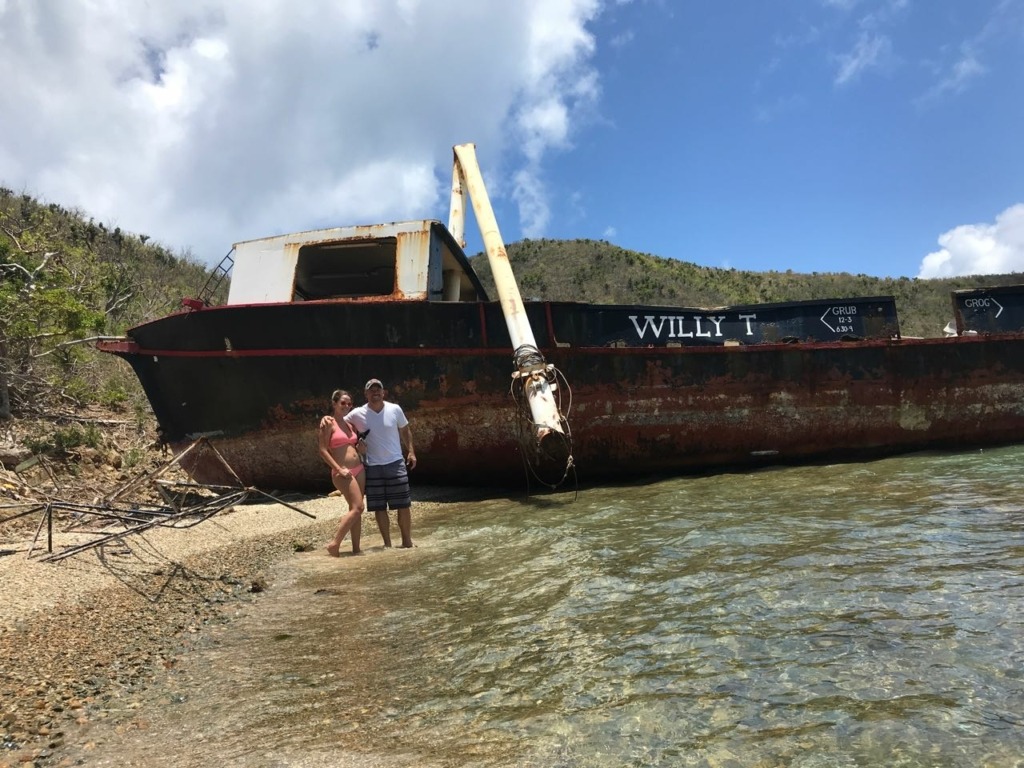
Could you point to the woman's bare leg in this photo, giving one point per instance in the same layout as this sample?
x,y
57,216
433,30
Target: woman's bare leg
x,y
353,492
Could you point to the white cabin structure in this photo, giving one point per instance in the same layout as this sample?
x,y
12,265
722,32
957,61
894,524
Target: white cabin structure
x,y
411,260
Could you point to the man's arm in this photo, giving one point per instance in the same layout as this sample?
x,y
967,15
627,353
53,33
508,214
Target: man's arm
x,y
405,434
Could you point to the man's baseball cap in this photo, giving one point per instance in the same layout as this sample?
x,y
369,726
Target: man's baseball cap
x,y
374,383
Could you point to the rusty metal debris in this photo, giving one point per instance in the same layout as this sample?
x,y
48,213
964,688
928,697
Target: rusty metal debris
x,y
129,510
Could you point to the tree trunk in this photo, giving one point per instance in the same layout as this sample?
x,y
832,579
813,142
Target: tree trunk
x,y
5,393
5,398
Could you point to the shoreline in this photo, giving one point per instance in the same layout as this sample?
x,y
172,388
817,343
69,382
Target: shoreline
x,y
80,636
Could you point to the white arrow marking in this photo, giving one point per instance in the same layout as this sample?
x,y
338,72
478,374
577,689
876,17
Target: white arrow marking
x,y
1000,307
826,324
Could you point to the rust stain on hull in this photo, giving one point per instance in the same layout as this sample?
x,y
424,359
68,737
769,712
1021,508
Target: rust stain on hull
x,y
664,413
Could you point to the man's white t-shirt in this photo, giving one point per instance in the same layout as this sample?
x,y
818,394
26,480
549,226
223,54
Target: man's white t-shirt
x,y
384,443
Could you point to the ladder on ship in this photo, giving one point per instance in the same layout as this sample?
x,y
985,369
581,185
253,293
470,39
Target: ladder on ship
x,y
216,278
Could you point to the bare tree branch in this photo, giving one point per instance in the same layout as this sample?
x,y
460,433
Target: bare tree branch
x,y
116,304
76,342
39,267
14,237
13,266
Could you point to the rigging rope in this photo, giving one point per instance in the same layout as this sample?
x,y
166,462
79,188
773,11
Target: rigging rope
x,y
529,364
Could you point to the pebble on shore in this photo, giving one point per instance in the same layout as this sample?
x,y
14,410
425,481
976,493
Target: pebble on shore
x,y
79,636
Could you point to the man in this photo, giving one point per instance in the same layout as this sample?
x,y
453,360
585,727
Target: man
x,y
389,456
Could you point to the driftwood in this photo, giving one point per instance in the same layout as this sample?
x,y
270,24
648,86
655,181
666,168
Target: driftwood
x,y
98,422
129,509
13,455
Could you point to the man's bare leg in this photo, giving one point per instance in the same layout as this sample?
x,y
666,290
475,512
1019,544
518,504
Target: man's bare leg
x,y
405,526
384,524
356,533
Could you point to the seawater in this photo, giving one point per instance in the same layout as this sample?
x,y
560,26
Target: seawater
x,y
865,614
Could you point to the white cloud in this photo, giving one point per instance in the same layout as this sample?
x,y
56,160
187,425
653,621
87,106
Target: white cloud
x,y
1000,32
870,52
533,206
843,5
202,122
884,14
784,105
961,74
560,85
980,249
966,68
622,39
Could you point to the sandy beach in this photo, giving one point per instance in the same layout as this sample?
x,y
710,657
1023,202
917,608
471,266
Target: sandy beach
x,y
79,636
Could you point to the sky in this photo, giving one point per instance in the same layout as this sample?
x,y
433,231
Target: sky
x,y
883,137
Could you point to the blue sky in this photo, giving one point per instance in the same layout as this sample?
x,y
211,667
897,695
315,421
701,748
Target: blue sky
x,y
867,136
801,135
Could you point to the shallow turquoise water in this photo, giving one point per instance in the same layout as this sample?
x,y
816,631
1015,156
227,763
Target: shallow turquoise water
x,y
850,615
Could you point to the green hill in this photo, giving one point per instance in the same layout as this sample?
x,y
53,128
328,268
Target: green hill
x,y
597,271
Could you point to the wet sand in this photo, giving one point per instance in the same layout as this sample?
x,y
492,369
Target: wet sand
x,y
80,636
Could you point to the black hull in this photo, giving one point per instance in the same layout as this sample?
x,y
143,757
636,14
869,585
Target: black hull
x,y
255,379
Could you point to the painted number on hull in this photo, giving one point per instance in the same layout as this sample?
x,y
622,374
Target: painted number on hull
x,y
839,319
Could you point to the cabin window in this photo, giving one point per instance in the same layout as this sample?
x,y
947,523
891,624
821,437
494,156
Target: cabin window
x,y
348,269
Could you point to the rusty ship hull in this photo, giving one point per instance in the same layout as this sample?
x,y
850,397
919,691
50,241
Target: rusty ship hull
x,y
502,392
709,390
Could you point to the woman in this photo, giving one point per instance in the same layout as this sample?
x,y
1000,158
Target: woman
x,y
340,450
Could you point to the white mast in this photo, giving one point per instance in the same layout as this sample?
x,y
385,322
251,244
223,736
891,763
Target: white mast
x,y
531,369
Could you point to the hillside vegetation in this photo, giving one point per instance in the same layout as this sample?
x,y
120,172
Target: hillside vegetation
x,y
63,278
597,271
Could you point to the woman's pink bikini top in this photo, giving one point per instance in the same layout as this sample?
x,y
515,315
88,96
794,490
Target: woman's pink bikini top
x,y
339,438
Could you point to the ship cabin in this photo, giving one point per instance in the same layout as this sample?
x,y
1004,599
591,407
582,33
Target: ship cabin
x,y
402,261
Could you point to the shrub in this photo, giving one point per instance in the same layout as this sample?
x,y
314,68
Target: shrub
x,y
63,440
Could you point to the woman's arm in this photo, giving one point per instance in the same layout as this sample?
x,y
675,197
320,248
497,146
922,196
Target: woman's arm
x,y
324,440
